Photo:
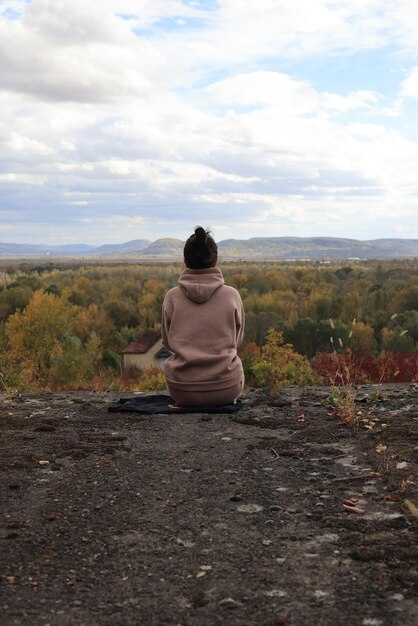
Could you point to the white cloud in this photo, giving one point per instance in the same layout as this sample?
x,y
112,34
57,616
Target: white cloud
x,y
120,132
70,51
409,87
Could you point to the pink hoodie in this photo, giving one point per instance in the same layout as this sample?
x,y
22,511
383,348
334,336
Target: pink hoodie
x,y
202,325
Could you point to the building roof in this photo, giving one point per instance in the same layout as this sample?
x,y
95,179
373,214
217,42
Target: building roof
x,y
142,342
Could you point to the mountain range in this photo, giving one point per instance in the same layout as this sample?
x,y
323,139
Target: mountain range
x,y
256,249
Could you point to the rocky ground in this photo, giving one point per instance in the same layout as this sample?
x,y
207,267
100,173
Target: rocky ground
x,y
119,519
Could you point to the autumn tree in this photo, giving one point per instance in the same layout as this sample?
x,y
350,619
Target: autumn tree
x,y
42,340
280,365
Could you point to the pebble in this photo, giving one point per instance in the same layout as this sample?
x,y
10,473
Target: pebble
x,y
275,593
235,498
185,543
250,508
230,603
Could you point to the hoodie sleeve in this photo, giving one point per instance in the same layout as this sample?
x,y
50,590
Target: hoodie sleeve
x,y
240,321
166,322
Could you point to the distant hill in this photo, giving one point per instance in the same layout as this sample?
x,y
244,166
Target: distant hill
x,y
317,248
136,245
24,249
256,248
166,247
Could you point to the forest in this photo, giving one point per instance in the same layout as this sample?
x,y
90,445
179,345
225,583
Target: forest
x,y
63,325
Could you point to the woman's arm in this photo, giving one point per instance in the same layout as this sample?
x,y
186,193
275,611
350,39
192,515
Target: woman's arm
x,y
165,324
240,322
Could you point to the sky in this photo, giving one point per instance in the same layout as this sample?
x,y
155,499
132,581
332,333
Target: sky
x,y
130,119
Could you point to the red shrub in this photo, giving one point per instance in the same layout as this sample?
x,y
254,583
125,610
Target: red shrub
x,y
342,369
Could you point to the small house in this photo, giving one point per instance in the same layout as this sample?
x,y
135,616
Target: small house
x,y
146,350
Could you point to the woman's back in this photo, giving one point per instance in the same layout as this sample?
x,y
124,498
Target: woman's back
x,y
202,326
203,323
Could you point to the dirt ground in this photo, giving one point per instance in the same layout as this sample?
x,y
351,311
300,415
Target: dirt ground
x,y
121,519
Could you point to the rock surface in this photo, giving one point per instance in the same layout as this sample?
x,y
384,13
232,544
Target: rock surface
x,y
121,519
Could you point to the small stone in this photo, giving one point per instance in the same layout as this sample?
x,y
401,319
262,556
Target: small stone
x,y
230,603
249,508
275,593
364,398
398,597
235,498
275,507
185,543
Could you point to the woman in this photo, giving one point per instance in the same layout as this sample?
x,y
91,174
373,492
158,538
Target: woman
x,y
202,326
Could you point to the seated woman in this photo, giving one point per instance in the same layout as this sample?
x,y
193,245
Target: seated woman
x,y
202,326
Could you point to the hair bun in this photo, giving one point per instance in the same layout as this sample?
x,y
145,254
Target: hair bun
x,y
200,233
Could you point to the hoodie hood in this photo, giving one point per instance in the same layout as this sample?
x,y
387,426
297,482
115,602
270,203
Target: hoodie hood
x,y
200,285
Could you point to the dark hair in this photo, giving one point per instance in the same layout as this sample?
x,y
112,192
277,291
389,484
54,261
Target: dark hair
x,y
200,250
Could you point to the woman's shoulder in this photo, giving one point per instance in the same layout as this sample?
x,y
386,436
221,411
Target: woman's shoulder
x,y
231,292
172,292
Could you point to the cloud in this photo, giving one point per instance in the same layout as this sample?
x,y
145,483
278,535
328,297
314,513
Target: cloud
x,y
150,116
69,51
409,87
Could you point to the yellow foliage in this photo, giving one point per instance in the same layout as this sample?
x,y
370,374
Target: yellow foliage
x,y
279,365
